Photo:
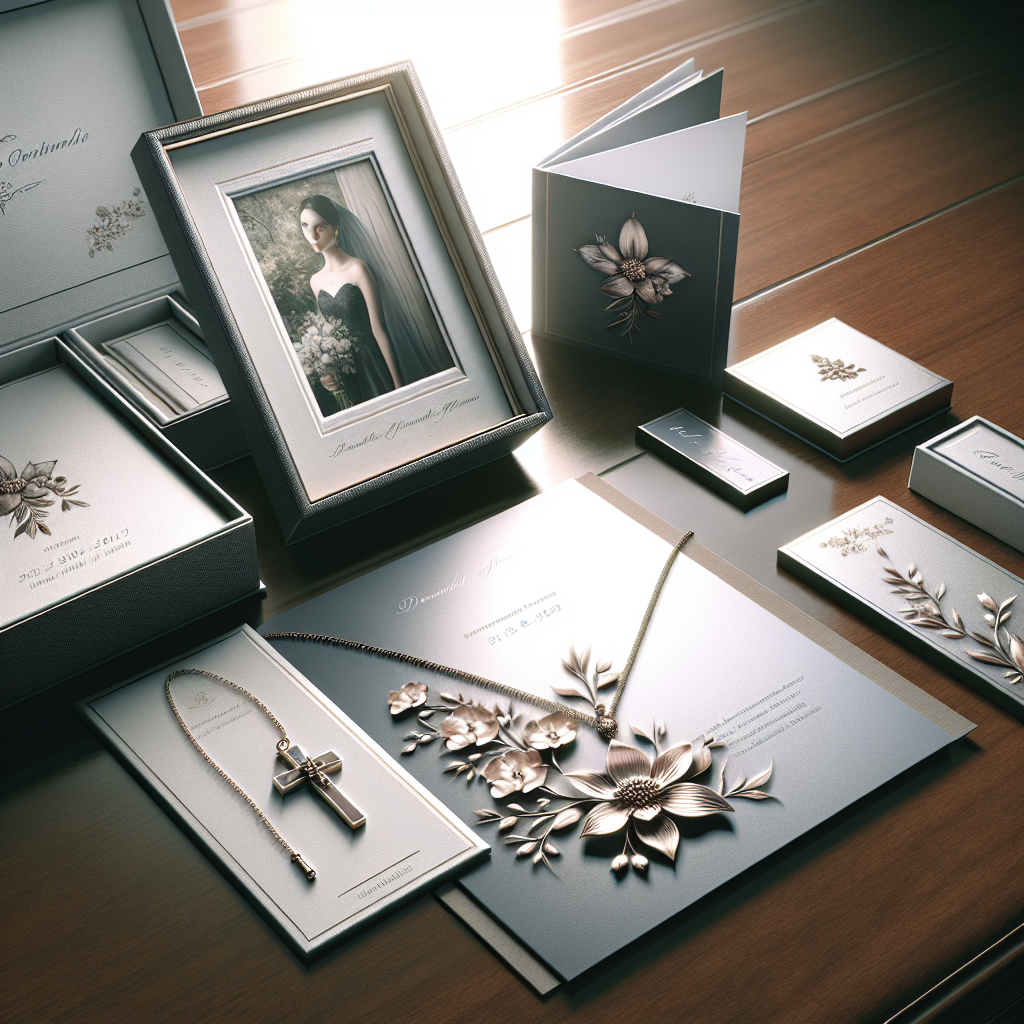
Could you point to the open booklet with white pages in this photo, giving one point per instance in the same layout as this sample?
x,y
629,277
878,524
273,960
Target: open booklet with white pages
x,y
655,184
742,725
406,841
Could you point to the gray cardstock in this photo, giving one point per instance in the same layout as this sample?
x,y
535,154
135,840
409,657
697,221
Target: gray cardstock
x,y
856,580
505,598
409,841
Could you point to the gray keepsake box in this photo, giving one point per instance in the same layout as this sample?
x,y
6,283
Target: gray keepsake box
x,y
83,256
109,536
838,389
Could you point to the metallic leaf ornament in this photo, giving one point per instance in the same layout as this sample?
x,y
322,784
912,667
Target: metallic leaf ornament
x,y
1004,649
836,369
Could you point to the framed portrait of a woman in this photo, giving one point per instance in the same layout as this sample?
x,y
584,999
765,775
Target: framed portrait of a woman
x,y
324,240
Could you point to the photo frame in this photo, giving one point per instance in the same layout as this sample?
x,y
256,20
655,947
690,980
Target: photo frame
x,y
345,292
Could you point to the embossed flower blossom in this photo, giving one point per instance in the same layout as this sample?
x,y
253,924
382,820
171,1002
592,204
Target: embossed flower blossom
x,y
469,725
518,771
640,794
411,695
24,496
552,731
635,281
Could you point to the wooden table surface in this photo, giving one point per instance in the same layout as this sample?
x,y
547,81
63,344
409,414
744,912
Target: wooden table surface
x,y
883,185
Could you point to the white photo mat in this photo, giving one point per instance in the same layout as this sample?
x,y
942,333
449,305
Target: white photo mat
x,y
330,456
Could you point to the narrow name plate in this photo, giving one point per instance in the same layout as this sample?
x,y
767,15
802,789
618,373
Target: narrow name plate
x,y
714,458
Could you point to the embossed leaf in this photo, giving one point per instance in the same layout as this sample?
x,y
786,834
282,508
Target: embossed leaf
x,y
1017,652
551,850
506,823
754,794
912,570
990,659
516,807
568,691
604,819
592,784
760,780
612,679
526,849
539,855
990,619
690,800
566,818
953,634
957,621
602,666
487,815
637,731
409,749
987,602
662,834
941,592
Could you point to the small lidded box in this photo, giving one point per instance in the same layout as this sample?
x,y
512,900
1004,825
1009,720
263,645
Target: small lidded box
x,y
837,388
976,470
109,534
83,255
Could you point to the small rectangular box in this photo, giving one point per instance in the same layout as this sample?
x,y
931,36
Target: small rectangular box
x,y
837,388
121,346
924,589
976,470
110,535
80,80
714,458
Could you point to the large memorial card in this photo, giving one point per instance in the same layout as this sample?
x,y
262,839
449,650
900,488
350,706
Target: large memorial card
x,y
375,840
742,724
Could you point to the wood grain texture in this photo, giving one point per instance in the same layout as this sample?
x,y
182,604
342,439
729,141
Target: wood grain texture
x,y
891,113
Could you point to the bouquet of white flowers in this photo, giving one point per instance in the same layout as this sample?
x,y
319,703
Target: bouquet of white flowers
x,y
326,350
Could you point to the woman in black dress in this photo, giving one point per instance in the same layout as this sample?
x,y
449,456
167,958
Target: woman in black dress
x,y
345,290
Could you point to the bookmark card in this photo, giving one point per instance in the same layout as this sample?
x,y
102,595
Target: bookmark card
x,y
635,222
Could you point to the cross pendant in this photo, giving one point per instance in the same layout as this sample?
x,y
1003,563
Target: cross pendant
x,y
303,769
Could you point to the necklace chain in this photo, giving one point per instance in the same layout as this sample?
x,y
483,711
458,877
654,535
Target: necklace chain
x,y
604,721
283,744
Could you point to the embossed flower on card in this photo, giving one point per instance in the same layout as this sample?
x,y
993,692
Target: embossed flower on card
x,y
642,793
518,771
469,725
411,695
552,731
26,497
635,280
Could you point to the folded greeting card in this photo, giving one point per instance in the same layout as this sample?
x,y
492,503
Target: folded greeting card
x,y
635,222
